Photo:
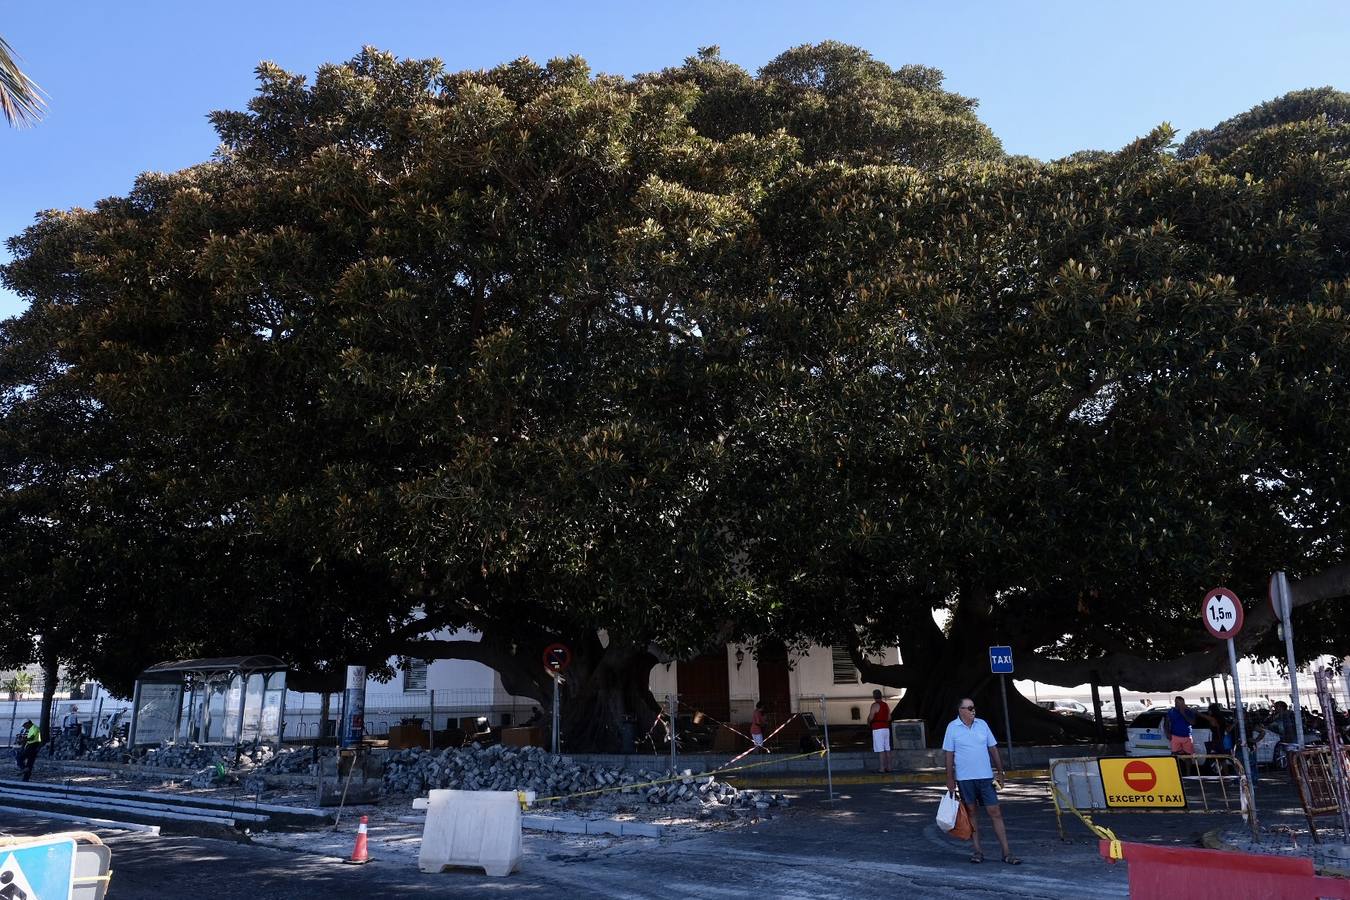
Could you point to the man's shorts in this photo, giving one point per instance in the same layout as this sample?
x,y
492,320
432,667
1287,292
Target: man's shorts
x,y
978,792
881,740
1183,744
758,739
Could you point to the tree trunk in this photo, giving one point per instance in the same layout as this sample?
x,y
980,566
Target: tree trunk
x,y
601,690
602,684
934,693
50,668
938,670
325,708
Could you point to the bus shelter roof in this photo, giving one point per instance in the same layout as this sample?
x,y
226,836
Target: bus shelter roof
x,y
244,665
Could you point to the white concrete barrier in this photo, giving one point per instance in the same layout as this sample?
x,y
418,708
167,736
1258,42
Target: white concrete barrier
x,y
479,829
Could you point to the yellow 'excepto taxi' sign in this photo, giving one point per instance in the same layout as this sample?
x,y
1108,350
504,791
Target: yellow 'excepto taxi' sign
x,y
1142,782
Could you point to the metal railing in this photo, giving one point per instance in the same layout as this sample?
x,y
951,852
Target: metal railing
x,y
431,710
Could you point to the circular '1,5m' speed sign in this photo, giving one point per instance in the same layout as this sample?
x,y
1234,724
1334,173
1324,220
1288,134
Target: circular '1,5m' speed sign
x,y
1222,613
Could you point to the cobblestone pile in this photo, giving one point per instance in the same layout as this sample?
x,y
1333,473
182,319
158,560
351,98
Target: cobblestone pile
x,y
184,756
500,768
269,760
259,760
69,747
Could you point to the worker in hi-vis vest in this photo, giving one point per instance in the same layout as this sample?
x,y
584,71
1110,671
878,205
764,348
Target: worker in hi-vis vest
x,y
32,740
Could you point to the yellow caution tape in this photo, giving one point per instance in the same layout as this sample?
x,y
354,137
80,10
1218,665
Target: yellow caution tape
x,y
1102,832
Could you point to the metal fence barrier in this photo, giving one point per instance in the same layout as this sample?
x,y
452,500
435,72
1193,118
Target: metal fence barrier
x,y
1076,786
431,710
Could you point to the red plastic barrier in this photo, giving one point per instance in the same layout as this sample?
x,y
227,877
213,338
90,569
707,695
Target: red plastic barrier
x,y
1194,874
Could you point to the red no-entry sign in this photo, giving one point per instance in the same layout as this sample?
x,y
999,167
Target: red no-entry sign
x,y
1140,776
557,657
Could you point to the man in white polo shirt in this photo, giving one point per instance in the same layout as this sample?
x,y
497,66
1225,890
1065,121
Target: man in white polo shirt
x,y
972,759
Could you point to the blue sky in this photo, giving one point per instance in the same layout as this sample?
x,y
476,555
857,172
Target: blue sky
x,y
131,83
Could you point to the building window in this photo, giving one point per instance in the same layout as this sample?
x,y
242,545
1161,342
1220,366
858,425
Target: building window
x,y
844,670
415,676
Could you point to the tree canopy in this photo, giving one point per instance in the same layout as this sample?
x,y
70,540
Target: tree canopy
x,y
655,363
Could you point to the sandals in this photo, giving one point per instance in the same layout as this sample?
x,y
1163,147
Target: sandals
x,y
1012,860
977,857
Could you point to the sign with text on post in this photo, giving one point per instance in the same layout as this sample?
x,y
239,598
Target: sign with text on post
x,y
1222,614
1000,661
1142,782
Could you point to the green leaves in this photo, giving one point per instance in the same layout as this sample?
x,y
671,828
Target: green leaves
x,y
701,352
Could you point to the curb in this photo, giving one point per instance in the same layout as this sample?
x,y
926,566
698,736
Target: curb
x,y
577,825
87,820
1213,841
892,778
151,773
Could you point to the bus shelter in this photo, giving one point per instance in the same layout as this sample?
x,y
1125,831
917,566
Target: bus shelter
x,y
223,701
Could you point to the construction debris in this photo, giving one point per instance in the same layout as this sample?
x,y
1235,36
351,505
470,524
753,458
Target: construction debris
x,y
245,758
501,768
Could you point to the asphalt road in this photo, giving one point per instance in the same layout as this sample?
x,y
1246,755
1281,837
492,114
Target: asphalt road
x,y
874,841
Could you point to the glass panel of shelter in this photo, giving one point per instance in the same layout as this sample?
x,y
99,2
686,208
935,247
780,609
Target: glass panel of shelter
x,y
253,703
157,713
273,708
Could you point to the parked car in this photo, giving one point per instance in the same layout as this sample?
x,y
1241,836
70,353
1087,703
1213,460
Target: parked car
x,y
1066,707
1144,736
1132,709
1153,716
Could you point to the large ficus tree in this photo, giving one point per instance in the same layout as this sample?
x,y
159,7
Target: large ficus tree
x,y
647,364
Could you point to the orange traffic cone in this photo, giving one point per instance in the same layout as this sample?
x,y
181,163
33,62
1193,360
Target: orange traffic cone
x,y
361,852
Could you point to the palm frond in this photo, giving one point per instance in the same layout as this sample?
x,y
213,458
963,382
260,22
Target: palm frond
x,y
21,100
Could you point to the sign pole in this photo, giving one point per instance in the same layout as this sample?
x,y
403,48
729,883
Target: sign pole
x,y
1007,721
557,657
1223,617
1284,608
672,733
556,713
829,767
1242,725
1001,664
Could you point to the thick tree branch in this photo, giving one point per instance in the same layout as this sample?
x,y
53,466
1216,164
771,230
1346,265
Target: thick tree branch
x,y
1325,585
900,676
1139,674
1131,672
516,677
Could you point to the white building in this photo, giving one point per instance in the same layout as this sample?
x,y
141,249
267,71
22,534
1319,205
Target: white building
x,y
723,686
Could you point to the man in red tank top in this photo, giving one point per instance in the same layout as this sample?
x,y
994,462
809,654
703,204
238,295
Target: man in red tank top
x,y
879,717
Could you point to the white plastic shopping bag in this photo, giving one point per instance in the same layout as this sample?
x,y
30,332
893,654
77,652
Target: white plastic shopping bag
x,y
947,811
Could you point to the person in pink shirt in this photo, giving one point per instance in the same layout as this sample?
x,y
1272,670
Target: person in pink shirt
x,y
757,723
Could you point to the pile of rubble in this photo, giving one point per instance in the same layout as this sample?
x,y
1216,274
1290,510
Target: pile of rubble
x,y
184,756
500,768
69,747
257,759
270,760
